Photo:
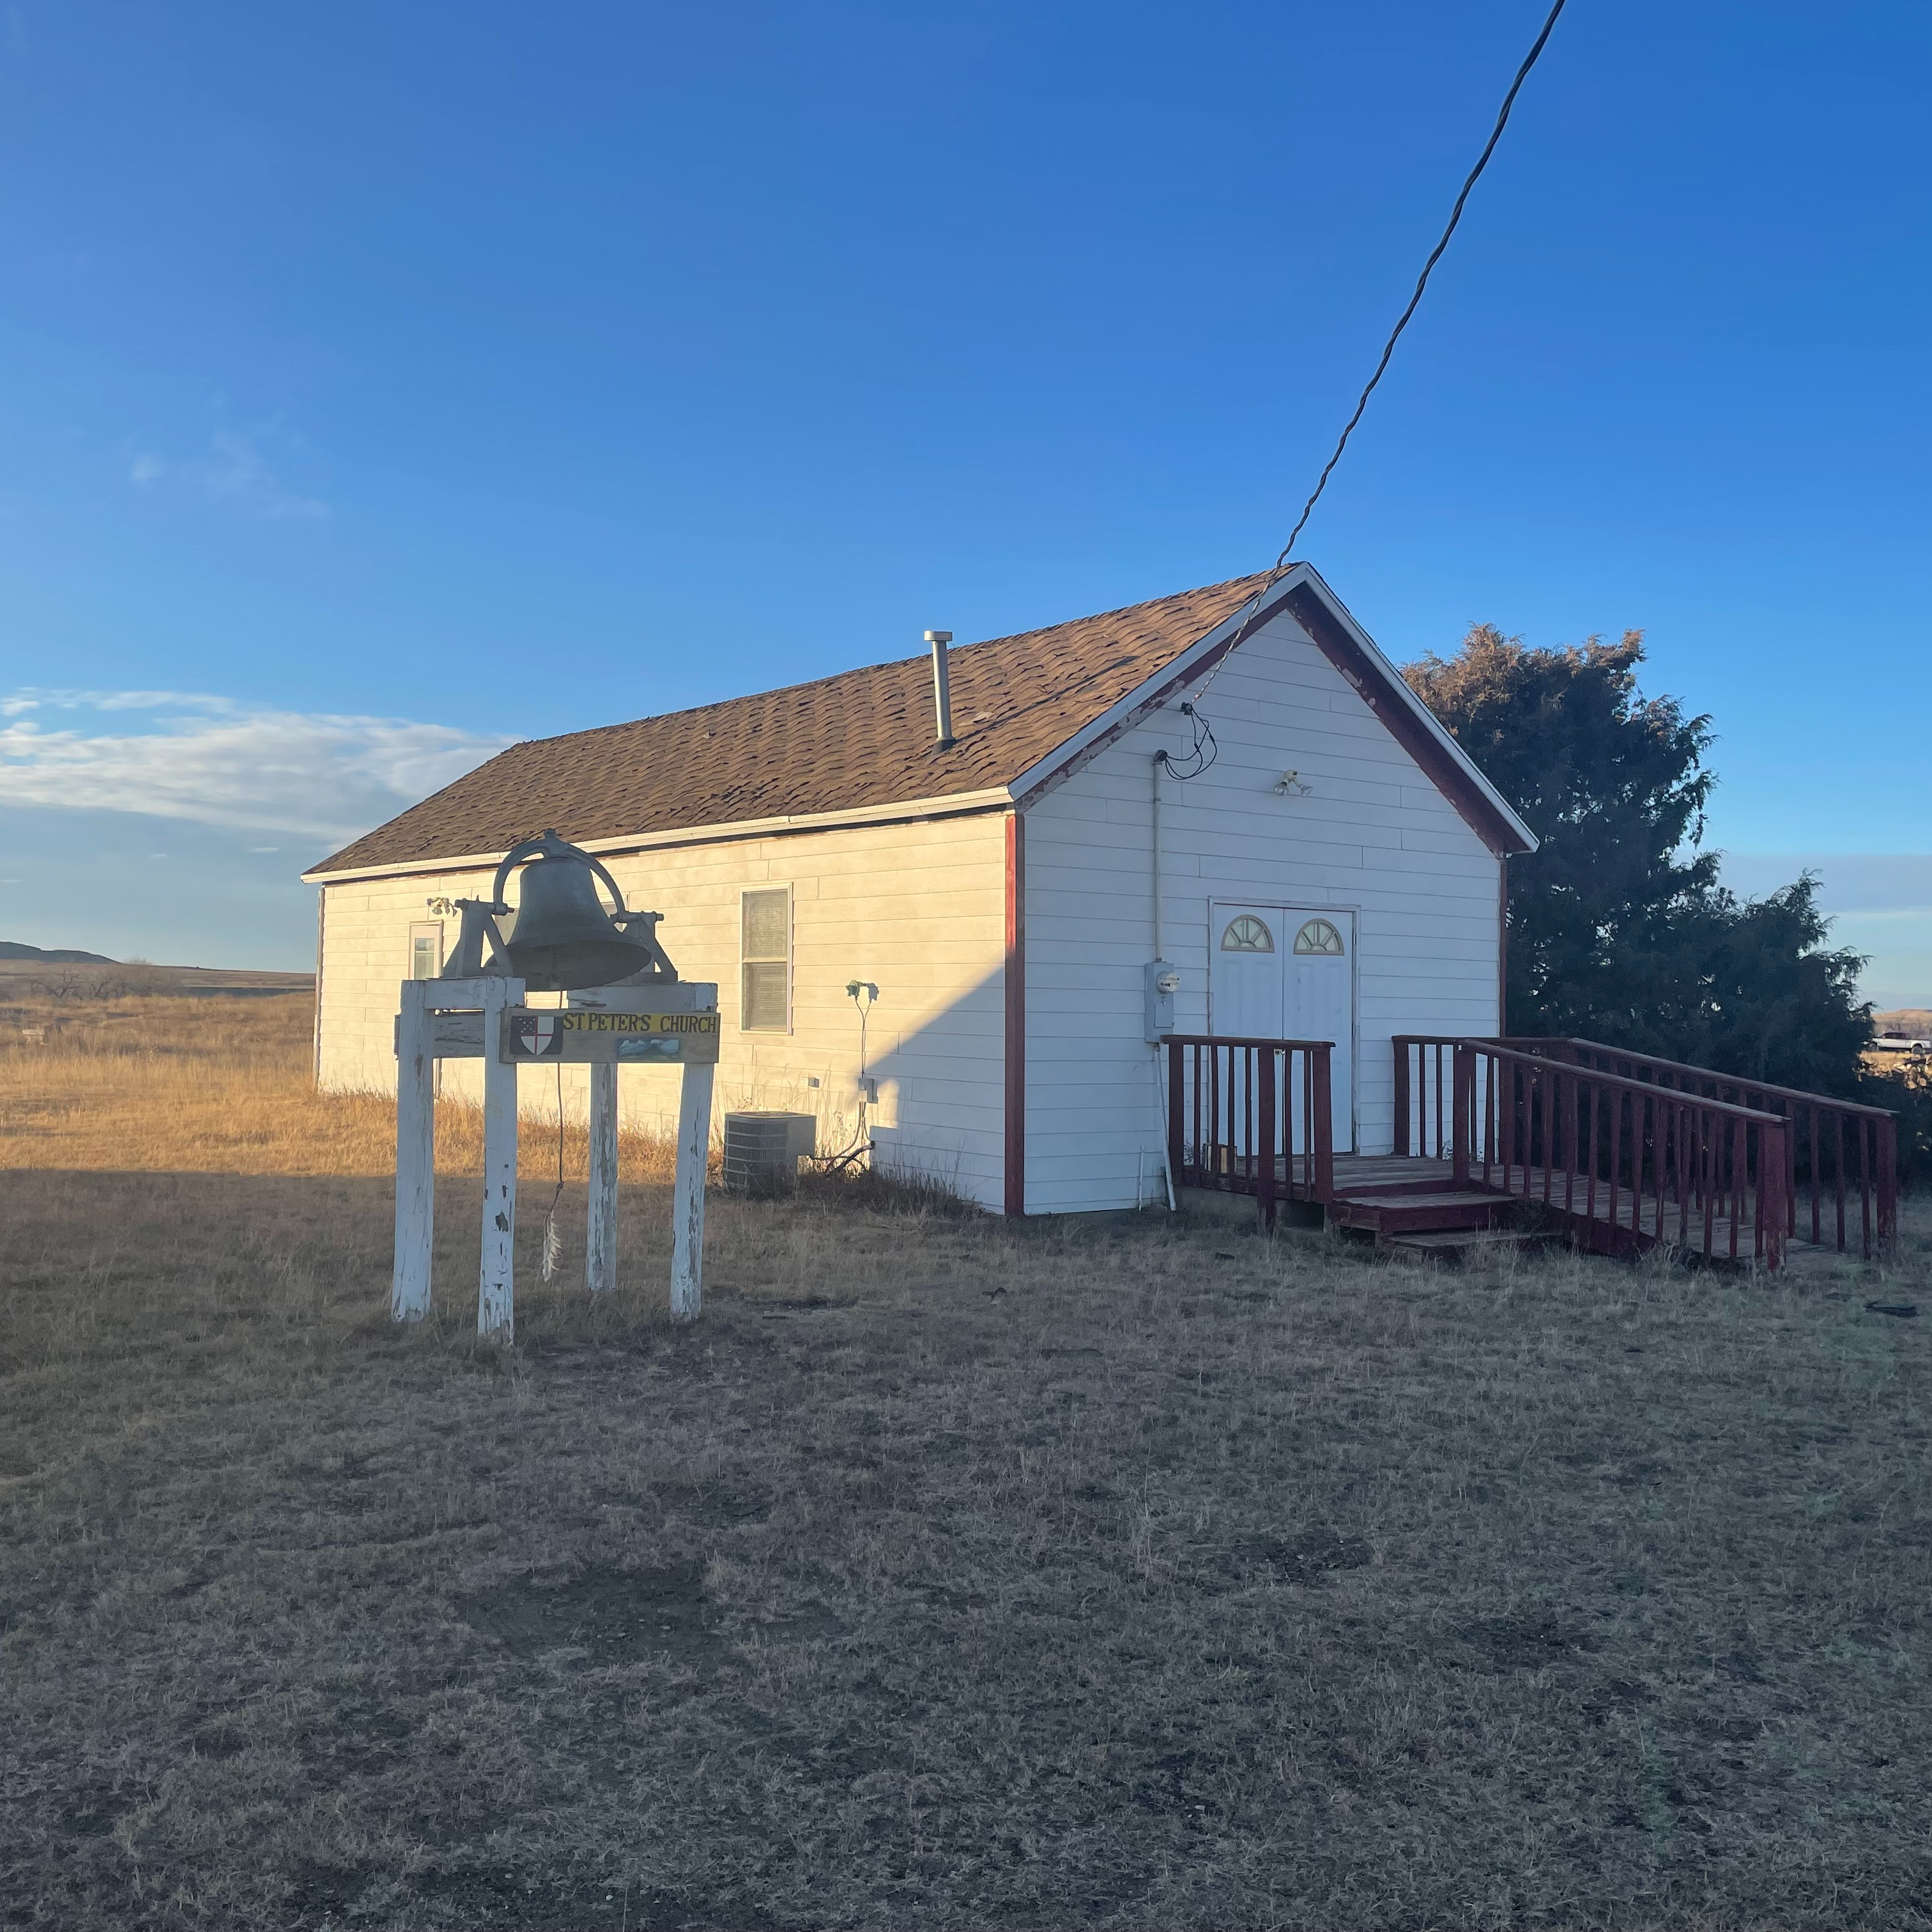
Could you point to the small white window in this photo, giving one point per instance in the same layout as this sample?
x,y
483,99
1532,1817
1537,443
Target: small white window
x,y
426,950
1247,935
764,954
1318,936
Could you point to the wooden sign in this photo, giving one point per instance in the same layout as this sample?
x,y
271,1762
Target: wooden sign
x,y
623,1040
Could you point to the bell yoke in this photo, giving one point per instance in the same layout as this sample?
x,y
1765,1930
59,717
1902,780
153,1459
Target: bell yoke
x,y
563,941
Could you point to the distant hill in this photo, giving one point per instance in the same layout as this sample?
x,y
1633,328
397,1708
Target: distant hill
x,y
57,955
66,973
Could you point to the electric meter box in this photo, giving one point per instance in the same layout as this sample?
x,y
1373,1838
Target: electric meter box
x,y
1163,981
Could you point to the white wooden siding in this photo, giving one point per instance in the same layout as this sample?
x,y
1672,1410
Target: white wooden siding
x,y
1373,836
918,908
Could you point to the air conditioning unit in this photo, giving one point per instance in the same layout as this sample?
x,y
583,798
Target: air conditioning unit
x,y
762,1150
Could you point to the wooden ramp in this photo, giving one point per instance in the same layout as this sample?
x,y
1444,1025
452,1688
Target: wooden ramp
x,y
1498,1141
1415,1202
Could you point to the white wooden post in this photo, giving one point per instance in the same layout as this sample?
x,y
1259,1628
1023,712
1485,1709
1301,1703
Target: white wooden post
x,y
600,1249
687,1231
415,1154
495,1294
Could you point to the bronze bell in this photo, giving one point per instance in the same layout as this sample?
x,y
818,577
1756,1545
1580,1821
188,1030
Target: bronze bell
x,y
563,939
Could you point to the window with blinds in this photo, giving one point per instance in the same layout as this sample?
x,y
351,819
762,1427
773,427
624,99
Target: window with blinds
x,y
764,954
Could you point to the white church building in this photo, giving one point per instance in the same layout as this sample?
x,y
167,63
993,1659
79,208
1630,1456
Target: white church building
x,y
1333,868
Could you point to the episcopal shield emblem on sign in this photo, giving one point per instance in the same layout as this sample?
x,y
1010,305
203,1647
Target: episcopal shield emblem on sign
x,y
537,1033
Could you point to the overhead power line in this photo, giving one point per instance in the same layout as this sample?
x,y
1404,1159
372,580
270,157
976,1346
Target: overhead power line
x,y
1422,280
1529,60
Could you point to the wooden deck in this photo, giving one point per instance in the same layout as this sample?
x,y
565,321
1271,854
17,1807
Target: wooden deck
x,y
1394,1196
1728,1173
1357,1172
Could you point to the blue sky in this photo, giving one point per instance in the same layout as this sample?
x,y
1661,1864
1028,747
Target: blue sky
x,y
378,384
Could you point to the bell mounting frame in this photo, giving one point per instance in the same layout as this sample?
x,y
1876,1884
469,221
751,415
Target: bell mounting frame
x,y
481,949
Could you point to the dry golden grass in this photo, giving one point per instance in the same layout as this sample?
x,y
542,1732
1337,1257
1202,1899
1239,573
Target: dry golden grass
x,y
951,1573
216,1085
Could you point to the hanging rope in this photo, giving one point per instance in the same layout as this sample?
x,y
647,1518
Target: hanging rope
x,y
552,1239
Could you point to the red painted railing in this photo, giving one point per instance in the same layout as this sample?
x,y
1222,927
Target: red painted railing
x,y
1843,1158
1677,1128
1630,1164
1251,1117
1423,1122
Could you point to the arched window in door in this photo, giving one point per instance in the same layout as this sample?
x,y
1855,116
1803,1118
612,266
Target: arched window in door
x,y
1247,934
1318,936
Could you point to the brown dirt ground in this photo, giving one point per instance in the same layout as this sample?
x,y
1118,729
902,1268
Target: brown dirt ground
x,y
1126,1573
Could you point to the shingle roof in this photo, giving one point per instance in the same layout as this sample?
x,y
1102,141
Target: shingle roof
x,y
862,738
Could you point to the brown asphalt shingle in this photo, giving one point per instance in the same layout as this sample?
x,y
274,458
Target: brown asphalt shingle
x,y
864,737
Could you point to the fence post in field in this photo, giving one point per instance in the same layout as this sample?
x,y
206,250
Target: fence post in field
x,y
496,1292
415,1154
687,1224
600,1248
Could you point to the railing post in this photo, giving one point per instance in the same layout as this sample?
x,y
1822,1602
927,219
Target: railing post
x,y
1400,1047
1569,1120
1463,1112
1263,1071
1213,1138
1176,1110
1888,1184
1771,1171
1321,1122
1790,1111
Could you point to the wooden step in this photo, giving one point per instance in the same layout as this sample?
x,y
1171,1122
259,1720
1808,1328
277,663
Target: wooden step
x,y
1386,1214
1381,1189
1463,1241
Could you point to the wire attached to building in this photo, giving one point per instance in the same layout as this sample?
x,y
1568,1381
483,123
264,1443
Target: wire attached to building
x,y
1198,756
1281,562
862,1143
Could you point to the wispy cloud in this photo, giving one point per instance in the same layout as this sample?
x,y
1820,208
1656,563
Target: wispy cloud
x,y
46,697
235,471
316,776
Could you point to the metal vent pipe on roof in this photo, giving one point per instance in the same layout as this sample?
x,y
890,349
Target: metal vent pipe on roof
x,y
942,692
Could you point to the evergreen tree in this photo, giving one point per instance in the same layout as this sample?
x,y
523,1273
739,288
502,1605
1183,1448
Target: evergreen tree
x,y
1618,928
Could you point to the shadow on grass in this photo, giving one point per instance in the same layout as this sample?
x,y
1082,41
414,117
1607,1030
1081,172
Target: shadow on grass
x,y
1117,1573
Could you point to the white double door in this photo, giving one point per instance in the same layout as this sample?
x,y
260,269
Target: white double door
x,y
1288,972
